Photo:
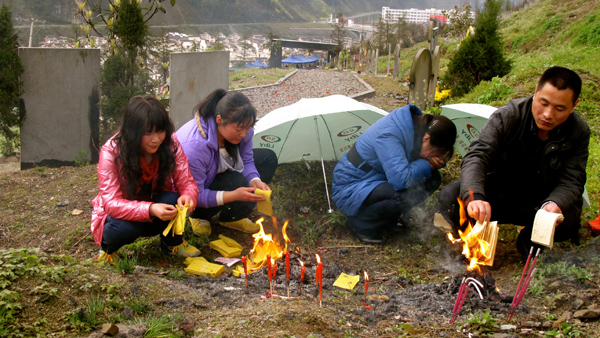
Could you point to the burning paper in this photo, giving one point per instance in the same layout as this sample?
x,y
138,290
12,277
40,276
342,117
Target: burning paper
x,y
265,245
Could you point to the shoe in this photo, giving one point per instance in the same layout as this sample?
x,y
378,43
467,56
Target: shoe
x,y
184,250
200,227
243,225
369,237
110,258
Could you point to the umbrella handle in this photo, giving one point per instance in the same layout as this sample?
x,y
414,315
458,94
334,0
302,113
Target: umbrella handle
x,y
329,211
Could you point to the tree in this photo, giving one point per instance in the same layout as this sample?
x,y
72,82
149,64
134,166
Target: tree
x,y
132,31
11,115
218,45
481,56
338,34
246,46
459,20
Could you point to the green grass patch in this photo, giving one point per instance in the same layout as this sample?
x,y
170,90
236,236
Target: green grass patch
x,y
256,77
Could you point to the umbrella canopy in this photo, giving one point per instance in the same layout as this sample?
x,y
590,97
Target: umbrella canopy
x,y
469,119
293,132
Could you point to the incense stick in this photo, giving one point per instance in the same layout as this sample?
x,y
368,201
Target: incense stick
x,y
521,291
458,296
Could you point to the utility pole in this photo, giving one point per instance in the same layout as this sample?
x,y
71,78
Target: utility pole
x,y
31,32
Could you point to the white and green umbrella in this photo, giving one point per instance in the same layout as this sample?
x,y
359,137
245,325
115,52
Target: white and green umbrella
x,y
469,119
312,129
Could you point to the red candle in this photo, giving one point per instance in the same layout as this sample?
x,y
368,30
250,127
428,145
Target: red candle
x,y
274,272
301,274
366,286
320,278
269,267
287,266
245,269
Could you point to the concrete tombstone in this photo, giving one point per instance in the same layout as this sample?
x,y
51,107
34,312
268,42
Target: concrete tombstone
x,y
61,95
376,61
420,74
435,69
194,76
397,61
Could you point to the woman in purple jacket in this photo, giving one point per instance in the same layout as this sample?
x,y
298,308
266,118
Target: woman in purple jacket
x,y
218,144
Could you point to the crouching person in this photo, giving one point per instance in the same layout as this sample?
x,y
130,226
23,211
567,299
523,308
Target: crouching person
x,y
391,168
143,174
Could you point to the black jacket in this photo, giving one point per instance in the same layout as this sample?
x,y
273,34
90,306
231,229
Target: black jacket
x,y
509,158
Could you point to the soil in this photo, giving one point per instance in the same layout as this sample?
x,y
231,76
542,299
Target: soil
x,y
414,277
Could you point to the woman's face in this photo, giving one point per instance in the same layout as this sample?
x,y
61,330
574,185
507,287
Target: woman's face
x,y
427,150
152,140
232,132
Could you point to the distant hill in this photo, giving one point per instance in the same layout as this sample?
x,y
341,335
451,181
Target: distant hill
x,y
229,11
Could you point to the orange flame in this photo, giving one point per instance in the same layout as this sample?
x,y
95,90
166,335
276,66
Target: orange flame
x,y
475,249
265,245
366,277
301,263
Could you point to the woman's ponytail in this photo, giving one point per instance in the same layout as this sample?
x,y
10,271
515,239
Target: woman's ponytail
x,y
208,107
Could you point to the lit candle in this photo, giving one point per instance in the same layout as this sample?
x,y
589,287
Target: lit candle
x,y
269,270
245,269
320,279
301,274
287,271
366,286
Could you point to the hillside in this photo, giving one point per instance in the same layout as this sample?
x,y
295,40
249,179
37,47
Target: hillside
x,y
226,11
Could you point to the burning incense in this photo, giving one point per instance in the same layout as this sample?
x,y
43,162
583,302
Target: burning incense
x,y
287,271
301,274
520,292
245,269
458,298
366,286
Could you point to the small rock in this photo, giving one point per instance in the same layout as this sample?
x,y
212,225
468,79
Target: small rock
x,y
63,203
344,251
587,314
110,329
127,312
507,327
76,212
592,307
577,303
304,210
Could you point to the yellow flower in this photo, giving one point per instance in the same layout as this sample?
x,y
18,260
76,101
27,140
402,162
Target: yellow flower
x,y
441,96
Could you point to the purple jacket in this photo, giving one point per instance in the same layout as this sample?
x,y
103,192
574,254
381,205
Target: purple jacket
x,y
203,155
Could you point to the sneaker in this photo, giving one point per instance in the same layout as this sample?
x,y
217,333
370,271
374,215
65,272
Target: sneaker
x,y
243,225
200,227
185,250
109,258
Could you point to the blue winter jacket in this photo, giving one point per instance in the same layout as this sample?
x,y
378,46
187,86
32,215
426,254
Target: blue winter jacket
x,y
386,146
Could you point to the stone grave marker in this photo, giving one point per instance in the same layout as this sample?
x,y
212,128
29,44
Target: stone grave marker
x,y
420,76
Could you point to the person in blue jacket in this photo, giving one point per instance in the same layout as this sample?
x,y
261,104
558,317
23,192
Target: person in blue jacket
x,y
391,168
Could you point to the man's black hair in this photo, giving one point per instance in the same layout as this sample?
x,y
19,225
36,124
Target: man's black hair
x,y
562,78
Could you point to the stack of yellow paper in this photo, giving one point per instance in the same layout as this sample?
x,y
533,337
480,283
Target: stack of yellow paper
x,y
227,247
265,206
177,224
238,271
345,281
200,266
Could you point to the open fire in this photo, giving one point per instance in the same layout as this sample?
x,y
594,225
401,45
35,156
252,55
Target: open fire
x,y
478,241
265,246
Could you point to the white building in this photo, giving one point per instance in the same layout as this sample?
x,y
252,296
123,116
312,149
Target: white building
x,y
410,15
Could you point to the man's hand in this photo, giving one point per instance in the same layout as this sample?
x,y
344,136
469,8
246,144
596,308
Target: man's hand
x,y
163,211
552,207
260,185
183,200
479,210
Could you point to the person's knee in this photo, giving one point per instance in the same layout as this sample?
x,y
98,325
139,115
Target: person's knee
x,y
448,195
167,197
234,180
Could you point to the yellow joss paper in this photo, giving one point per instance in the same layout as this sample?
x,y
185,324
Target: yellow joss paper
x,y
238,271
224,249
204,268
231,242
177,224
345,281
265,206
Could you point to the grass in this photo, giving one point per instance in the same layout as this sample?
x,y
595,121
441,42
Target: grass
x,y
256,77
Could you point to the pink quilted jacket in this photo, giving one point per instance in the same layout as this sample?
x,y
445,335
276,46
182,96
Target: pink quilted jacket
x,y
110,200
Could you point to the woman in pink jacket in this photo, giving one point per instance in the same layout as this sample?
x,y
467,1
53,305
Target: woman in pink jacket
x,y
142,174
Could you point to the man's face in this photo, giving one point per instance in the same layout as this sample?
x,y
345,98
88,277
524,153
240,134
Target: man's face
x,y
551,106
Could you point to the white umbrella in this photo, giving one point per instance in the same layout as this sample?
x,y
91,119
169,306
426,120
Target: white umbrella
x,y
469,119
312,129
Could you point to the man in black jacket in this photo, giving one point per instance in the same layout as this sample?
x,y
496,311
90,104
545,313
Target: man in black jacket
x,y
530,155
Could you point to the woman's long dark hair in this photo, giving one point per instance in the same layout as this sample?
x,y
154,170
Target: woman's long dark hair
x,y
233,107
442,134
143,114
